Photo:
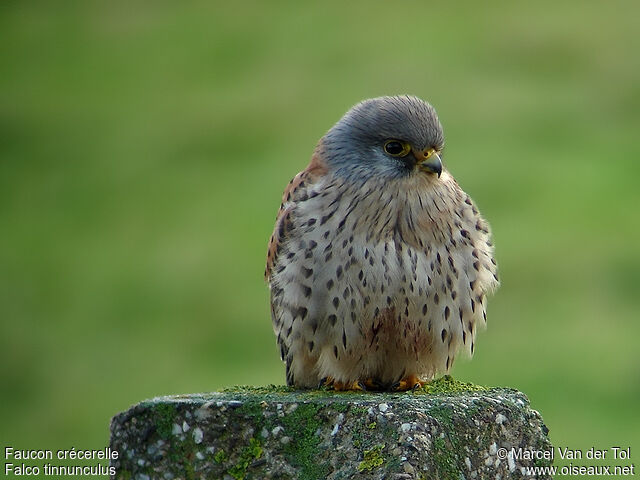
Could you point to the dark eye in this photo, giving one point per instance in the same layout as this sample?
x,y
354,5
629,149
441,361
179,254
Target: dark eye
x,y
396,148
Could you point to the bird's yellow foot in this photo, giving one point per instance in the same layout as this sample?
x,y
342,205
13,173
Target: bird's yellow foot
x,y
325,382
371,384
358,385
331,382
344,386
410,382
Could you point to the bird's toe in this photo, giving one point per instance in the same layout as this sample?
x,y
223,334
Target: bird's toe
x,y
410,382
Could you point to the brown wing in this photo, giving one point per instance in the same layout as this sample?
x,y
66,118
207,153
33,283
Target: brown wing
x,y
296,191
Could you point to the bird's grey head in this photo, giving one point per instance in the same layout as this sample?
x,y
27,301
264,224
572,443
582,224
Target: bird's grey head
x,y
386,137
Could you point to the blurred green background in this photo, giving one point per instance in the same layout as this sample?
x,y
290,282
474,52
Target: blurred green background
x,y
144,148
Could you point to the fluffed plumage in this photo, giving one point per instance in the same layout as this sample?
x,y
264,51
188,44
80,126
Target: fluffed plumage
x,y
379,264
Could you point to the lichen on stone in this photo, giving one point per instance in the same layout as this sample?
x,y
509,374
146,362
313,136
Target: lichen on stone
x,y
302,425
259,390
444,430
250,453
448,385
443,385
220,457
165,414
372,459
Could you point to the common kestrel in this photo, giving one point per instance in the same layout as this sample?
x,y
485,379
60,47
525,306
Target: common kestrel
x,y
379,263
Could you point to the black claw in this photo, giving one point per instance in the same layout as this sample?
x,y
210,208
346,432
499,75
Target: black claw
x,y
377,385
415,387
395,386
362,386
322,382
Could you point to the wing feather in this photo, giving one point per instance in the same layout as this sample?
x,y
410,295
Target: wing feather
x,y
297,191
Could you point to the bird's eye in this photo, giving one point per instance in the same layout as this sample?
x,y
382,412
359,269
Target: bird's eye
x,y
396,148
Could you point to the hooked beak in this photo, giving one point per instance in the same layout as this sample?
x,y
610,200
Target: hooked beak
x,y
428,160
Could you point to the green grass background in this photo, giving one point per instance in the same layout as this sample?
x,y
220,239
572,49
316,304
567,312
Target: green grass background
x,y
144,148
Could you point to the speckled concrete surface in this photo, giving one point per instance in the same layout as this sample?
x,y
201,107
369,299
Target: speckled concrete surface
x,y
274,432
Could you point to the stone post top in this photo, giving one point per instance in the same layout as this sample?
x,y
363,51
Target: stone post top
x,y
443,390
447,429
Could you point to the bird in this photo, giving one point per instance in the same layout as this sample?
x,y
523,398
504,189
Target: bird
x,y
379,265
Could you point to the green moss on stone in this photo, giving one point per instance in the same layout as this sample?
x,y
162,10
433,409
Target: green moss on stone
x,y
542,462
302,422
448,385
260,390
182,454
444,460
444,415
448,454
250,453
372,459
220,457
340,407
444,385
251,409
123,474
189,471
164,416
301,425
390,432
